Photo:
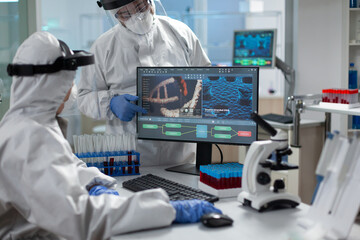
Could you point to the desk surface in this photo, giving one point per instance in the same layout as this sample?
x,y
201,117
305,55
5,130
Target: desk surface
x,y
248,223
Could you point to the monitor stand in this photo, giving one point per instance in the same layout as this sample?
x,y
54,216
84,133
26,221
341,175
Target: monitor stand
x,y
203,157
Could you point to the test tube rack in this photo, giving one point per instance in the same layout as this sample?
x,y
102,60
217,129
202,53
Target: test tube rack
x,y
116,163
340,98
222,180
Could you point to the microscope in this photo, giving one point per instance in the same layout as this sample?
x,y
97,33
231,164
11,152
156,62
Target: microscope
x,y
257,191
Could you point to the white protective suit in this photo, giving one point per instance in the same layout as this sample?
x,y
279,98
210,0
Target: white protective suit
x,y
43,187
118,53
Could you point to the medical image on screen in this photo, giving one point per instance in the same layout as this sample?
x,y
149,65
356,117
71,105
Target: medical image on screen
x,y
253,45
254,48
198,104
227,97
171,96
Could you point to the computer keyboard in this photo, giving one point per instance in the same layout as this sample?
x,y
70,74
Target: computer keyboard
x,y
278,118
176,191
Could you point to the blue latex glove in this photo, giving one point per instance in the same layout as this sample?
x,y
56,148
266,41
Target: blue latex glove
x,y
122,107
98,190
190,211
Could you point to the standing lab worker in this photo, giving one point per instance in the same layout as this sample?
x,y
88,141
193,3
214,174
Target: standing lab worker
x,y
45,191
139,38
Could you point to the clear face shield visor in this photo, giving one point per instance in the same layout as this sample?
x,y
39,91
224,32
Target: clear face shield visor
x,y
136,15
133,9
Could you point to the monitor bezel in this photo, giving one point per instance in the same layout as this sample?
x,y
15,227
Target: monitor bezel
x,y
273,64
189,141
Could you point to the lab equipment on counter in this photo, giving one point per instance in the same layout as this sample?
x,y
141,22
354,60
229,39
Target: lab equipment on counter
x,y
176,191
114,155
337,199
345,97
222,180
257,191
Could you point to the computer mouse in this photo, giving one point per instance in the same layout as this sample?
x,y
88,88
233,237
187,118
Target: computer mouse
x,y
216,220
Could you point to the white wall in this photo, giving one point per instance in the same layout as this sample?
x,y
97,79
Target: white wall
x,y
318,49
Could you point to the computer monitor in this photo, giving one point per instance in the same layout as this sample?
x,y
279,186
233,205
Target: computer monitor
x,y
255,48
204,105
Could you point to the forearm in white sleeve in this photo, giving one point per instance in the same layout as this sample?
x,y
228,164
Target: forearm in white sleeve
x,y
91,176
49,195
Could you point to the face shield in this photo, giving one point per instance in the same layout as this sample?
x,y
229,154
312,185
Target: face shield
x,y
70,61
135,15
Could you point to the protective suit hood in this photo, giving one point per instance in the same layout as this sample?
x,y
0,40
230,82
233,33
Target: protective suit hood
x,y
39,95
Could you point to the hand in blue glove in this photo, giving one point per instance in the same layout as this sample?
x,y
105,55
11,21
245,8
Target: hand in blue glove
x,y
122,107
98,190
190,211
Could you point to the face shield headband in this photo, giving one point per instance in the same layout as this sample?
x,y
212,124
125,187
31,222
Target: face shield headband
x,y
108,5
70,61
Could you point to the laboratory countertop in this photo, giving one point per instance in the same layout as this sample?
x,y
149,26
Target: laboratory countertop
x,y
248,223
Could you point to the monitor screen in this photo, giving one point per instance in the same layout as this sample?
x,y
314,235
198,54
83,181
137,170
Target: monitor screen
x,y
205,105
255,48
198,104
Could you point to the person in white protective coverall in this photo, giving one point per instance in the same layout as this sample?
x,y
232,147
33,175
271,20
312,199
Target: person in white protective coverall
x,y
139,38
45,191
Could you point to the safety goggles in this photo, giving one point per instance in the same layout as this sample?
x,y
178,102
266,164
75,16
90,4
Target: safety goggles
x,y
133,8
70,60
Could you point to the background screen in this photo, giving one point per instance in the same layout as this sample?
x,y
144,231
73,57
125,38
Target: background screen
x,y
254,48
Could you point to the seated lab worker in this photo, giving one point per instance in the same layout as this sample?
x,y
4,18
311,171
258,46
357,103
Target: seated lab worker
x,y
139,38
45,191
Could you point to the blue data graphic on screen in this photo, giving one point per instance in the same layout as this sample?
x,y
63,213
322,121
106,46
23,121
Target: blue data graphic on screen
x,y
254,48
210,104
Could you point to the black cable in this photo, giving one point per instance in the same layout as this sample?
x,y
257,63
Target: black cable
x,y
221,155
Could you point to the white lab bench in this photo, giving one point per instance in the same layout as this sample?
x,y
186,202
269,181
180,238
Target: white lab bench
x,y
248,223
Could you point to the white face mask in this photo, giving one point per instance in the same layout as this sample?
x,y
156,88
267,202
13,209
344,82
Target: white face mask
x,y
140,23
